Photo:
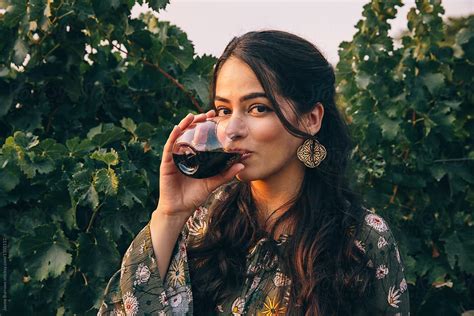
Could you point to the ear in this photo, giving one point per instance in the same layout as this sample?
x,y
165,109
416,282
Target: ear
x,y
313,119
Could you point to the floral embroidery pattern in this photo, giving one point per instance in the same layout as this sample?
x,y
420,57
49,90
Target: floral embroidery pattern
x,y
142,247
221,195
119,312
382,242
281,280
142,274
201,213
176,273
189,293
286,296
182,251
179,300
376,222
255,282
163,299
130,304
381,272
393,297
176,300
272,308
197,228
238,306
359,245
258,294
403,285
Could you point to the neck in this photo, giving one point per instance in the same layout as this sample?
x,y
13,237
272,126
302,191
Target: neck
x,y
271,195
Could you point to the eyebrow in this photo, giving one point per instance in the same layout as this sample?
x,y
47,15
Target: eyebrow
x,y
246,97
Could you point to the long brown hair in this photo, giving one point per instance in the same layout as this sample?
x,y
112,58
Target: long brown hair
x,y
326,270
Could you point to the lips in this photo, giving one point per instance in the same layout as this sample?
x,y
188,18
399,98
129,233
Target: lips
x,y
238,150
245,153
245,156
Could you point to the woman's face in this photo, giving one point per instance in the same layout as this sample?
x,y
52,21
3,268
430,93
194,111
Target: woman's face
x,y
249,118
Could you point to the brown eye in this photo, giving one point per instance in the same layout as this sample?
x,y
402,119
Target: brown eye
x,y
221,111
259,109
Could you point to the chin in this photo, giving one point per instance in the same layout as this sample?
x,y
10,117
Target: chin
x,y
240,178
244,176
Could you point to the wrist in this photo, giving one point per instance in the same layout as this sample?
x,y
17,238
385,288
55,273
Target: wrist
x,y
169,218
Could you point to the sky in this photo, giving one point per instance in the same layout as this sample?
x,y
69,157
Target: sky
x,y
210,25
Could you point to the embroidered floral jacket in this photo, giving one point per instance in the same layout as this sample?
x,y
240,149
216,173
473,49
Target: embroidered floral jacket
x,y
137,288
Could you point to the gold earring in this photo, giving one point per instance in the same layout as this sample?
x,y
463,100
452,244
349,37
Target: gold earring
x,y
311,153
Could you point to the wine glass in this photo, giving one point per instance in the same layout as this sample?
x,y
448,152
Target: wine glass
x,y
201,150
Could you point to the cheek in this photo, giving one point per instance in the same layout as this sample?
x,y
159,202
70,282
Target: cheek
x,y
267,131
273,137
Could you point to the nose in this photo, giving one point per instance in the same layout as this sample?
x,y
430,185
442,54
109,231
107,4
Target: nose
x,y
231,129
236,128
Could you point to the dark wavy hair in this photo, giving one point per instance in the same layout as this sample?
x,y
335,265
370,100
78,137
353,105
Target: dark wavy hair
x,y
327,272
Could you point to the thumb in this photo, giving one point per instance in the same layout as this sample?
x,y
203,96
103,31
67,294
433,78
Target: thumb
x,y
225,177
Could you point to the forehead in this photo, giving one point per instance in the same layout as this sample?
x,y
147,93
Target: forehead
x,y
236,78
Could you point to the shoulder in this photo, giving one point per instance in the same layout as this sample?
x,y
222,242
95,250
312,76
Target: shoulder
x,y
374,234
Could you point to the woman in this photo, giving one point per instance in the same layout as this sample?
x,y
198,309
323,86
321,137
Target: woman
x,y
278,233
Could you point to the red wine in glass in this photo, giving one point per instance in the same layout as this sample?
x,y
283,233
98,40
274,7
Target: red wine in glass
x,y
199,151
205,164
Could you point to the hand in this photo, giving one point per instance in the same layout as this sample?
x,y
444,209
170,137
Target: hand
x,y
181,195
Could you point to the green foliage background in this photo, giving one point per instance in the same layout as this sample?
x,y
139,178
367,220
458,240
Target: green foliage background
x,y
88,97
81,140
411,112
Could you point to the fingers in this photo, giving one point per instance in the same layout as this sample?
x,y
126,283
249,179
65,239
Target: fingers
x,y
210,113
199,118
168,148
186,121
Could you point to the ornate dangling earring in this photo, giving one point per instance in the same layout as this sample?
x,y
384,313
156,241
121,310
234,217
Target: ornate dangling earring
x,y
311,153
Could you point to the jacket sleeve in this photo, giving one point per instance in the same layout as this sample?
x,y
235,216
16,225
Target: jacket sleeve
x,y
112,303
137,288
389,294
